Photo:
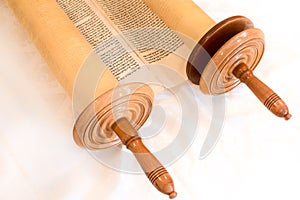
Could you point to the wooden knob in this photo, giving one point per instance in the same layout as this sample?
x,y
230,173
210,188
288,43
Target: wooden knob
x,y
269,98
153,169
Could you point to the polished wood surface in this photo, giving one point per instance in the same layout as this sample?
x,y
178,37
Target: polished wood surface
x,y
244,47
226,56
153,169
211,42
269,98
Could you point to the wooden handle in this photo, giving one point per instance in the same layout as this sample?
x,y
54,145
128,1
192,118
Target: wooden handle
x,y
269,98
153,169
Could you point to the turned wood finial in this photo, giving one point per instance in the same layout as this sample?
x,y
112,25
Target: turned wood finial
x,y
97,128
226,55
269,98
153,169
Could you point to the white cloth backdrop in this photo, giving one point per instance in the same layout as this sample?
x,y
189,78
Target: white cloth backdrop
x,y
257,156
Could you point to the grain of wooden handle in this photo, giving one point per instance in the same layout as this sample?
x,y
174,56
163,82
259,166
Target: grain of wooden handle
x,y
153,169
266,95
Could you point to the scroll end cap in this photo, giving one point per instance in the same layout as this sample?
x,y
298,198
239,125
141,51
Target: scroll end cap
x,y
172,195
287,116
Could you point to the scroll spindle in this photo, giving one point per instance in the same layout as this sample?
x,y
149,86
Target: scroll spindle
x,y
269,98
154,170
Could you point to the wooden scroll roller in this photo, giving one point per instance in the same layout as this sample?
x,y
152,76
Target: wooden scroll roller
x,y
227,54
156,173
218,62
137,105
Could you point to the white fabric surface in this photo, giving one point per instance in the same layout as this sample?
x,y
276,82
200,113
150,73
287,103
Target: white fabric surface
x,y
257,156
